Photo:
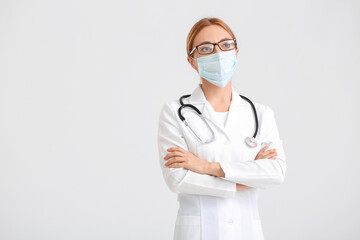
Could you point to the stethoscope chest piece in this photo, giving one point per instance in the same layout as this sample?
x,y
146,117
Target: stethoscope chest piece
x,y
251,142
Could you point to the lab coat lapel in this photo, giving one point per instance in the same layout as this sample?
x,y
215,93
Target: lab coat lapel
x,y
198,99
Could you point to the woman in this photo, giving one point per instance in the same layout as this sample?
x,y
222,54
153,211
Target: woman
x,y
217,181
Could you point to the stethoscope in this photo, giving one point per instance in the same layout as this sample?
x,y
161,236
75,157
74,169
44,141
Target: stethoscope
x,y
250,141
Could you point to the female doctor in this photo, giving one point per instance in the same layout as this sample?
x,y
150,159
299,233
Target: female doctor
x,y
206,159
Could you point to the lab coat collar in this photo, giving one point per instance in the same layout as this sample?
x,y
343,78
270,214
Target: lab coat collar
x,y
198,97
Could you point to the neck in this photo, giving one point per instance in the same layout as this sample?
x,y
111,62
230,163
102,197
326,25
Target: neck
x,y
219,98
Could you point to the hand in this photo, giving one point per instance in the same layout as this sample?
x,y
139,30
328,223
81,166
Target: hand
x,y
269,154
240,187
181,158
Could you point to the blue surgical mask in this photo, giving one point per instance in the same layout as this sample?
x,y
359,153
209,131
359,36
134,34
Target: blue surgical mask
x,y
218,68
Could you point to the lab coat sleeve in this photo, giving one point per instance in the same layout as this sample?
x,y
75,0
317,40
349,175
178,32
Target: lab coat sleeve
x,y
181,180
260,173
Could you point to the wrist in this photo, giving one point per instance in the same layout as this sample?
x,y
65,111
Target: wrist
x,y
215,169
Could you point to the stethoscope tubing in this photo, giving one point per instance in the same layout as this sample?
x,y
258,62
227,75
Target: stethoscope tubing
x,y
250,141
255,115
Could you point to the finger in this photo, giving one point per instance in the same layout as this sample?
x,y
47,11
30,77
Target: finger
x,y
263,149
176,165
272,155
270,151
173,154
179,149
171,149
174,160
267,155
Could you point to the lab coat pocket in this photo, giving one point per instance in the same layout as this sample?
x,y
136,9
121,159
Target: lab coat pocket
x,y
187,227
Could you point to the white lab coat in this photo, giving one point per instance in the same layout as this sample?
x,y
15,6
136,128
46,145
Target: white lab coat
x,y
210,208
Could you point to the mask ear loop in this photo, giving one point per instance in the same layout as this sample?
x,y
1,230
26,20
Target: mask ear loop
x,y
196,61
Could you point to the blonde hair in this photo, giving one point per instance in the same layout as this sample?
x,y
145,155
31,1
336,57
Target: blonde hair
x,y
199,25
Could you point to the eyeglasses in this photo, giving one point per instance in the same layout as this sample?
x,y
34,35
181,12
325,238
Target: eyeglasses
x,y
207,48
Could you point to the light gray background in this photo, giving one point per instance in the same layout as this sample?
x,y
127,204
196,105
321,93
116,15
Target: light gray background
x,y
82,84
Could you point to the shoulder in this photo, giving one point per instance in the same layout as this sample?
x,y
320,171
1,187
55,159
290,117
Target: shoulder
x,y
169,109
266,117
171,105
263,109
265,114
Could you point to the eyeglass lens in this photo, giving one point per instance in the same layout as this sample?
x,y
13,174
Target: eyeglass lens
x,y
209,47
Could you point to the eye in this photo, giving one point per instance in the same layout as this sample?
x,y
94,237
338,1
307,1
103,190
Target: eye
x,y
205,48
227,45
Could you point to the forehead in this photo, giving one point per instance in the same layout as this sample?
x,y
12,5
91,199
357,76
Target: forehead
x,y
213,33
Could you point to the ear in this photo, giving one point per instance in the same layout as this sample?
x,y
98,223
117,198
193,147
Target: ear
x,y
193,63
237,51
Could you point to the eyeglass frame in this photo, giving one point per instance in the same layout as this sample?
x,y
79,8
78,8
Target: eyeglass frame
x,y
196,47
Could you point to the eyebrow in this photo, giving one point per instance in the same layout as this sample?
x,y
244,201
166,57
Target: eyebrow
x,y
211,42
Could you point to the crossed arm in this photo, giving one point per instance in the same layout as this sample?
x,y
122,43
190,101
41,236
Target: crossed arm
x,y
186,173
180,158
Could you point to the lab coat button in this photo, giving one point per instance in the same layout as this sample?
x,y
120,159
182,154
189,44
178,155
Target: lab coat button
x,y
230,221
